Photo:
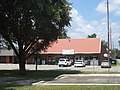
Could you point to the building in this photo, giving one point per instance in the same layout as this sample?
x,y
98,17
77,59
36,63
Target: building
x,y
7,56
91,50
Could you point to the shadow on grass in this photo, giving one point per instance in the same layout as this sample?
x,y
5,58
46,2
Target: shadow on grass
x,y
32,75
40,74
7,87
50,74
13,76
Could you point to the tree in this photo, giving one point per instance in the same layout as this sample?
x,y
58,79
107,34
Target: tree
x,y
4,43
63,35
32,25
0,41
105,44
92,36
119,43
116,52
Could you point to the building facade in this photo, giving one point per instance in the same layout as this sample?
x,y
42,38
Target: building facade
x,y
7,56
91,50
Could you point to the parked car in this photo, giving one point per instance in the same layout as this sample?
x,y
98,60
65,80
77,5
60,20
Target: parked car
x,y
64,62
105,64
79,63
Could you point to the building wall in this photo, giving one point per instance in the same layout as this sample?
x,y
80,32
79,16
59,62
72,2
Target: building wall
x,y
7,56
53,58
101,55
7,59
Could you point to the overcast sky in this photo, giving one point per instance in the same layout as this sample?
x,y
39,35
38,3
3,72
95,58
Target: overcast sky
x,y
89,16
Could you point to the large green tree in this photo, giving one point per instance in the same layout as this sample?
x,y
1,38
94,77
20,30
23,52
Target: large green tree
x,y
32,25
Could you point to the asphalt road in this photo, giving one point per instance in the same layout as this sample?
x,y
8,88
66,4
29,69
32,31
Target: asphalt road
x,y
83,79
56,67
87,79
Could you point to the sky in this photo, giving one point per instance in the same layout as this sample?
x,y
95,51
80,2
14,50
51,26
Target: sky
x,y
90,16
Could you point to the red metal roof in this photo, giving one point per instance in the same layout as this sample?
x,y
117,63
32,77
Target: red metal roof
x,y
83,46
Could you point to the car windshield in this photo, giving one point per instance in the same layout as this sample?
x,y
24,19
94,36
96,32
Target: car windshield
x,y
61,60
67,60
105,61
78,61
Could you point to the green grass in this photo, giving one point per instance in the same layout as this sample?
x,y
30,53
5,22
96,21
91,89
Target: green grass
x,y
118,63
64,87
46,74
41,74
49,75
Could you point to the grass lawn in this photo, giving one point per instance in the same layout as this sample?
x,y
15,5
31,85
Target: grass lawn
x,y
46,75
118,63
40,74
63,87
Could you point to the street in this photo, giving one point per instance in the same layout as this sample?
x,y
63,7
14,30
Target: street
x,y
56,67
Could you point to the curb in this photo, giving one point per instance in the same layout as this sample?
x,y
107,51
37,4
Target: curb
x,y
64,84
67,75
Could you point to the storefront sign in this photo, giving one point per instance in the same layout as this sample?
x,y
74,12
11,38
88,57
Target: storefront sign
x,y
67,51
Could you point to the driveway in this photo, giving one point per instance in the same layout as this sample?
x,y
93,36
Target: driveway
x,y
83,79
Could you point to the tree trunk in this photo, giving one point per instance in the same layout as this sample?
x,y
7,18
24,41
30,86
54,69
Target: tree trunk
x,y
22,66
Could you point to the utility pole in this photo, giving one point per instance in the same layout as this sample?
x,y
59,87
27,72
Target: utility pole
x,y
0,43
108,28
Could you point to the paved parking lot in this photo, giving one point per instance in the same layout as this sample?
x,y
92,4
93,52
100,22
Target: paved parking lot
x,y
56,67
83,79
87,79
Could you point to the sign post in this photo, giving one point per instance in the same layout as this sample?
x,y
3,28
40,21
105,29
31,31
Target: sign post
x,y
94,64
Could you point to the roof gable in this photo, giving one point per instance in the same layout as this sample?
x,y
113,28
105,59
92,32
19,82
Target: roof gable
x,y
83,45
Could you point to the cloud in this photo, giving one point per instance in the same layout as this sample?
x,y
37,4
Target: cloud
x,y
114,6
81,28
101,7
